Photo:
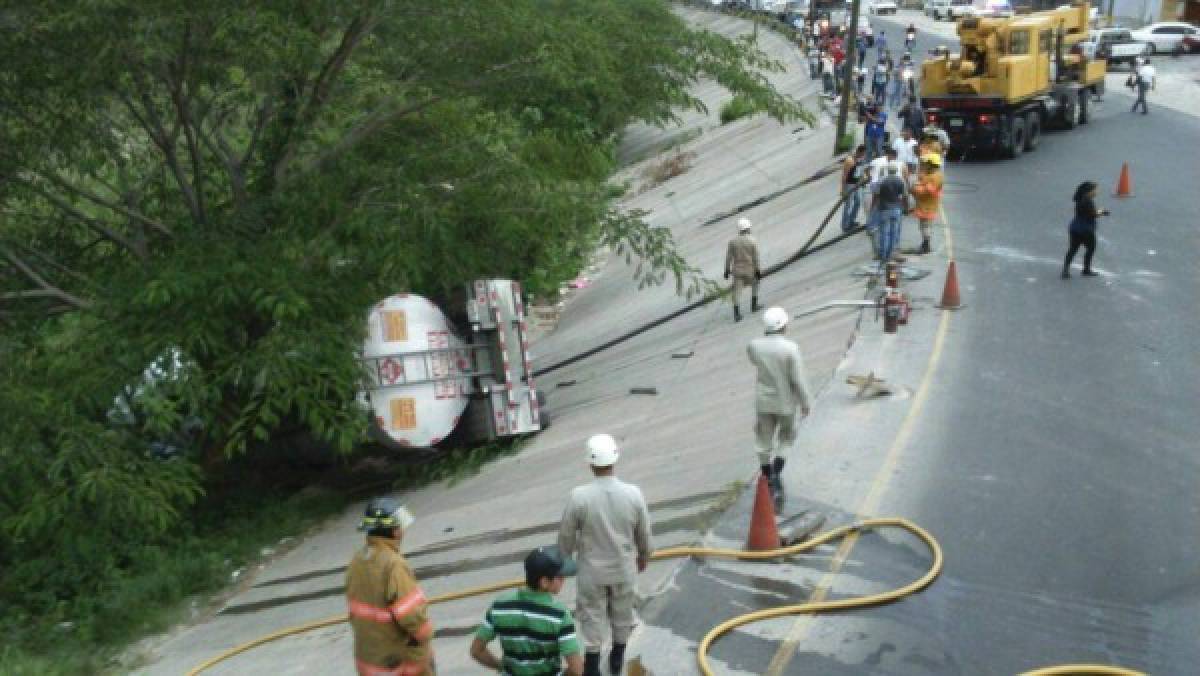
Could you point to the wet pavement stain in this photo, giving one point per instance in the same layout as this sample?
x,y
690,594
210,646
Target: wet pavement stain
x,y
694,522
433,571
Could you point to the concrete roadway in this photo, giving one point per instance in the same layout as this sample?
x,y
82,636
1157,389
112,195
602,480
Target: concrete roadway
x,y
1051,445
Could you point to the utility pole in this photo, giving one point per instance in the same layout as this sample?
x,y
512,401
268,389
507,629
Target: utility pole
x,y
851,48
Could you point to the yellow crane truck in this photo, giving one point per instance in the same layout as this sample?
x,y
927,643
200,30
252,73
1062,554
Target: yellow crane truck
x,y
1012,78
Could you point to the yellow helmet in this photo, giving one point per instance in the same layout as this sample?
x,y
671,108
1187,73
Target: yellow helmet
x,y
932,158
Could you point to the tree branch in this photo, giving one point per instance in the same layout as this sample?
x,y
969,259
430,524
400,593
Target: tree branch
x,y
96,199
383,117
351,37
92,223
165,142
184,119
45,289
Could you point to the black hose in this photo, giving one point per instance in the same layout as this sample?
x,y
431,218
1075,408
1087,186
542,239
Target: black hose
x,y
805,250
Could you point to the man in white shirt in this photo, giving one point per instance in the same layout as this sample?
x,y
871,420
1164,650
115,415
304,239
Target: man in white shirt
x,y
1144,83
606,526
906,152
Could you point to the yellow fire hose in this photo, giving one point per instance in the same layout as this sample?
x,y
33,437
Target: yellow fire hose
x,y
917,585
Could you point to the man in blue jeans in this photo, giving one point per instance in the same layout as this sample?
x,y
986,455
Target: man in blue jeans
x,y
891,200
853,172
875,129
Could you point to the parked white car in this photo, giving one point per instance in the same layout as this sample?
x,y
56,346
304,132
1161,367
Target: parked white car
x,y
883,7
949,9
1166,36
1114,45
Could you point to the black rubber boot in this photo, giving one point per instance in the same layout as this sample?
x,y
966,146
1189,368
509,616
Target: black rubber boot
x,y
754,303
737,314
591,664
616,659
777,465
925,246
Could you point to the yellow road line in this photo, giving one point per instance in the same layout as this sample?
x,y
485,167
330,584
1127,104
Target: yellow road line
x,y
878,485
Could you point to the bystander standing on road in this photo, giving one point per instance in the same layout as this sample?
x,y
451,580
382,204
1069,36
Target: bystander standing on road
x,y
906,153
879,81
1082,230
875,130
912,116
392,631
896,86
876,172
892,201
860,44
537,633
881,43
1144,81
860,79
780,390
828,80
935,139
606,526
927,190
854,168
742,263
814,61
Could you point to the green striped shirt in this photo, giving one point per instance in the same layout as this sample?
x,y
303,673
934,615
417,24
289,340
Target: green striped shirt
x,y
535,632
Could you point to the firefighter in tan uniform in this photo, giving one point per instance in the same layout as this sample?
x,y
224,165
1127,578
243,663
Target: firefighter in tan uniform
x,y
392,631
741,261
781,390
606,525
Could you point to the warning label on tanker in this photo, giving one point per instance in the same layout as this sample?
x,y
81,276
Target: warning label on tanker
x,y
404,413
395,326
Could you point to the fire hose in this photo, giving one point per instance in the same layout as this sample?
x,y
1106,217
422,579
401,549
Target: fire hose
x,y
810,607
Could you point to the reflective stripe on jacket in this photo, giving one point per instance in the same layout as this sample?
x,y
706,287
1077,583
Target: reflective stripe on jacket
x,y
387,613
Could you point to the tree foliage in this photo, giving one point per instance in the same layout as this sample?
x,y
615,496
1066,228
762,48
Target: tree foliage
x,y
201,197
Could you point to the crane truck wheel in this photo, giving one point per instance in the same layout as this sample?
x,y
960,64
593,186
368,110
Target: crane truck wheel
x,y
1070,111
1016,138
1033,130
1084,96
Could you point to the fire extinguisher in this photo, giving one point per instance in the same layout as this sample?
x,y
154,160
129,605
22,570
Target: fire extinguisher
x,y
893,307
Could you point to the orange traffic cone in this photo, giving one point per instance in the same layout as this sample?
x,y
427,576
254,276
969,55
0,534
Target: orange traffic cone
x,y
1124,183
950,299
764,534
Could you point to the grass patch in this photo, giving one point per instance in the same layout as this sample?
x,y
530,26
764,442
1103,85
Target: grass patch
x,y
737,108
664,170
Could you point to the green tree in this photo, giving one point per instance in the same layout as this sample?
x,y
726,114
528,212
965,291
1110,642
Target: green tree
x,y
200,197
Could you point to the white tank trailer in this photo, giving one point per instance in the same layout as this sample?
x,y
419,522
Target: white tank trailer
x,y
423,380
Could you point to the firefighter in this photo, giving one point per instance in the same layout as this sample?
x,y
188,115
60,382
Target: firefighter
x,y
741,261
927,190
781,389
606,526
392,631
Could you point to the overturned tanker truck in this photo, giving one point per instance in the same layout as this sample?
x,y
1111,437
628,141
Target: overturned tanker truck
x,y
425,382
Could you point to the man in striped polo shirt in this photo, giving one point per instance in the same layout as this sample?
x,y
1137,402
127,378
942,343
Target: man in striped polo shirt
x,y
537,633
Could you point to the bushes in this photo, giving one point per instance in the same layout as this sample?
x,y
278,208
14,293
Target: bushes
x,y
737,108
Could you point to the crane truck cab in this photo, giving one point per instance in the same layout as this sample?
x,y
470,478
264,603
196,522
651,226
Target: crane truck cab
x,y
1012,78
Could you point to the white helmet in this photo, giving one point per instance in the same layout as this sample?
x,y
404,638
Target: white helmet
x,y
775,318
602,450
744,224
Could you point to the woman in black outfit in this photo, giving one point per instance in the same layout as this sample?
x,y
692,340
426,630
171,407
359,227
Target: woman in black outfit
x,y
1083,228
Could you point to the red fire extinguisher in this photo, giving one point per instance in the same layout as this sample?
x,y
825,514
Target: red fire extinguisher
x,y
893,307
